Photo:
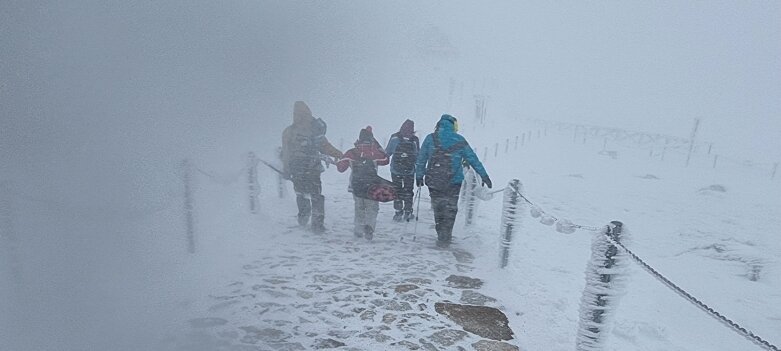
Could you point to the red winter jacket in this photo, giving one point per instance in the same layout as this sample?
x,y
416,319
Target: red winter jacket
x,y
371,151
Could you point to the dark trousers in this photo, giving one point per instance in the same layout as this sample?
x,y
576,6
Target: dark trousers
x,y
444,202
404,193
309,199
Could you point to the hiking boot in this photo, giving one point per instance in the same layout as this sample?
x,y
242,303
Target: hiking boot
x,y
398,216
358,234
408,216
303,220
318,228
368,232
443,244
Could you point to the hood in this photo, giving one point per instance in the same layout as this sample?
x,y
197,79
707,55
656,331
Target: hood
x,y
365,137
407,128
446,123
301,113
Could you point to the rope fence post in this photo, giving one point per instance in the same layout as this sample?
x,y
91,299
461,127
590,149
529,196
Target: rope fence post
x,y
715,159
511,218
775,169
523,139
496,150
516,143
605,284
470,198
280,181
187,172
252,182
485,152
507,145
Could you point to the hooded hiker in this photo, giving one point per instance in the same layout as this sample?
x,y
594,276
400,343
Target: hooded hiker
x,y
367,187
440,164
303,148
403,148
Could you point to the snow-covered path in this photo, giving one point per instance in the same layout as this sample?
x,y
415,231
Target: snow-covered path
x,y
309,291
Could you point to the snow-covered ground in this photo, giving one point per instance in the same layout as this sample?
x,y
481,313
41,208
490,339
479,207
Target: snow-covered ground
x,y
258,282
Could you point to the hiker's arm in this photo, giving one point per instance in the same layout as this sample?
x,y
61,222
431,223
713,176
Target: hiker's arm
x,y
330,150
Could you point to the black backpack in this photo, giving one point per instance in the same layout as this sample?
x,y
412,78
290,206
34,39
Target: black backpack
x,y
405,155
439,172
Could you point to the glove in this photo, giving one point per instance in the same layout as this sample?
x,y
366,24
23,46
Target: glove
x,y
419,182
487,182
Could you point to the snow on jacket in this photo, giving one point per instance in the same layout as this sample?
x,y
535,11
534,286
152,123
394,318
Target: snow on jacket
x,y
447,138
304,140
407,132
362,150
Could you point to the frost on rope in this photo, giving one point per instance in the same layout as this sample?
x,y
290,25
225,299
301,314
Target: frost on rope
x,y
606,276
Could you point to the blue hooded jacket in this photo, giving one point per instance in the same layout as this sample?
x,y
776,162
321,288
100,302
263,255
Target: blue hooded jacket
x,y
447,138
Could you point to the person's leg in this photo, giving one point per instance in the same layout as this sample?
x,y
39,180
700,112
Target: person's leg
x,y
398,203
360,213
318,203
437,206
450,210
407,195
372,209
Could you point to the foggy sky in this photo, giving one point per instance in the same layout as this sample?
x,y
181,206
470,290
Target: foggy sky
x,y
100,100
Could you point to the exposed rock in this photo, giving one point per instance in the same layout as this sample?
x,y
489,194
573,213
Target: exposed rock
x,y
427,345
255,334
327,344
388,318
487,322
368,315
407,344
448,337
418,281
207,322
376,335
342,334
405,288
463,282
471,297
490,345
463,256
287,346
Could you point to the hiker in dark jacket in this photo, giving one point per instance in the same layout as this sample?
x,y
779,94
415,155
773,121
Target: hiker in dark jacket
x,y
440,165
403,148
303,147
363,159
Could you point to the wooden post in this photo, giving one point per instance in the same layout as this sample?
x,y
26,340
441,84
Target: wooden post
x,y
715,159
775,168
605,283
516,143
496,150
710,147
507,145
188,205
280,180
485,152
252,182
470,198
691,140
511,218
523,139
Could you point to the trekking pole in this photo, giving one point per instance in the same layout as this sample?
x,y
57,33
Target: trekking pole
x,y
417,216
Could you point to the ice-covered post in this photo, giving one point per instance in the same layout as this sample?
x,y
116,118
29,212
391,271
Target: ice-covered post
x,y
775,169
715,159
511,218
188,205
280,180
523,139
470,198
485,152
605,284
252,182
8,239
496,150
507,145
516,143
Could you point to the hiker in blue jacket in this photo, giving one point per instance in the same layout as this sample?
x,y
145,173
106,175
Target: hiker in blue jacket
x,y
403,149
440,164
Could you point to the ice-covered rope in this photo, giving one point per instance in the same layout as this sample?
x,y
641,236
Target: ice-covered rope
x,y
562,225
689,297
224,180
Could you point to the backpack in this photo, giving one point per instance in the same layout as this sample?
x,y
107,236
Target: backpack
x,y
439,172
405,155
365,183
306,152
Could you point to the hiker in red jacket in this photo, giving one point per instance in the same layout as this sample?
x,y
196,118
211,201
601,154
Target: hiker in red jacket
x,y
363,159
